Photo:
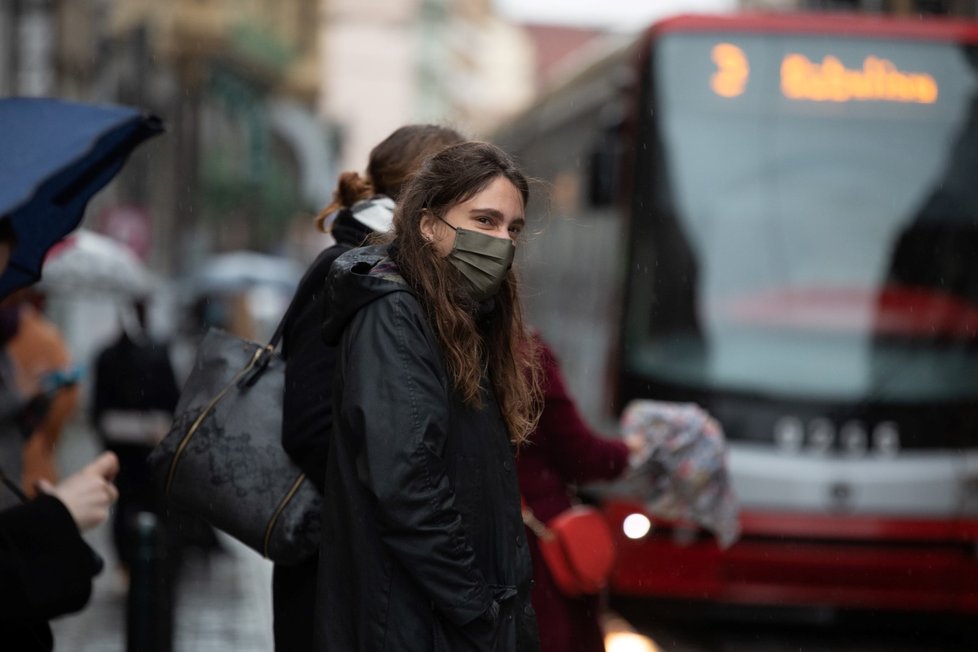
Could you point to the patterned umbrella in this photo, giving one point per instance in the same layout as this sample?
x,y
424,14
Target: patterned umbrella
x,y
683,475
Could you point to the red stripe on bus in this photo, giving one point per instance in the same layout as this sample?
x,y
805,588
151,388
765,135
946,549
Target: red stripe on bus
x,y
822,24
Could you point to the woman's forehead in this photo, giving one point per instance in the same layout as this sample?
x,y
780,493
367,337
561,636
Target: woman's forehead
x,y
500,195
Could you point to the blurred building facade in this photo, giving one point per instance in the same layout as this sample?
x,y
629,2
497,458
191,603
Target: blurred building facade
x,y
453,62
234,80
265,100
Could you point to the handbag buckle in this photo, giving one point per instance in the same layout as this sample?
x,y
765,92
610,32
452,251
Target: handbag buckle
x,y
258,365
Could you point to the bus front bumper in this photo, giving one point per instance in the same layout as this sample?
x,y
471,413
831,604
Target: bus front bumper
x,y
793,559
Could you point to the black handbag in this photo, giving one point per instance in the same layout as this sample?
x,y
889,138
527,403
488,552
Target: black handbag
x,y
223,458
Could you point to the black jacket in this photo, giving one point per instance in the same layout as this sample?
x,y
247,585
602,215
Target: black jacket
x,y
423,543
307,410
46,570
134,376
307,418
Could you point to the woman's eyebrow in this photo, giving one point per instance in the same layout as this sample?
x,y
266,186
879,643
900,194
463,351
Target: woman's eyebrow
x,y
491,211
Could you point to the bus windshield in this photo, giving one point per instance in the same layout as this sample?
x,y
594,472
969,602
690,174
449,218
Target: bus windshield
x,y
811,223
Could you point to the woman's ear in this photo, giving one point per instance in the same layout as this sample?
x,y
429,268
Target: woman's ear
x,y
427,225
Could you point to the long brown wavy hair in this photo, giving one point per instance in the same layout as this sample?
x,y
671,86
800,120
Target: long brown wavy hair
x,y
391,164
472,344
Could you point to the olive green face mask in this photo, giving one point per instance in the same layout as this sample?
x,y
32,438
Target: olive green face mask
x,y
482,260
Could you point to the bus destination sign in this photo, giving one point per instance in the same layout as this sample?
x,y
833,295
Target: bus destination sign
x,y
803,79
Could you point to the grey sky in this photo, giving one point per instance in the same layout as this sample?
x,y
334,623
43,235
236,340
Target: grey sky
x,y
620,15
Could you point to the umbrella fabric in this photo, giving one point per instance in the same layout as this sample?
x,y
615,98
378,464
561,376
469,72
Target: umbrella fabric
x,y
86,262
683,476
54,155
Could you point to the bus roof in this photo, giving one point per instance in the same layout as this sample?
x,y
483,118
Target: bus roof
x,y
596,80
855,25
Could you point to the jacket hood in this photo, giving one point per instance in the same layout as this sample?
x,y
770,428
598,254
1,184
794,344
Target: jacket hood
x,y
356,278
347,231
376,213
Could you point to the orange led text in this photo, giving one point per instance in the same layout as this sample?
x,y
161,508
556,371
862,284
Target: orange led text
x,y
730,79
831,81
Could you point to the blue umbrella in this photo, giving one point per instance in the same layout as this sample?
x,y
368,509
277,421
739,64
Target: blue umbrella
x,y
54,155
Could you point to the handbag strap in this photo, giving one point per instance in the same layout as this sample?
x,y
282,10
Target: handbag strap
x,y
259,364
535,525
280,329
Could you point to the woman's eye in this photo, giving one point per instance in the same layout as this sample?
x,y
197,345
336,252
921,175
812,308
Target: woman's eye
x,y
515,230
484,220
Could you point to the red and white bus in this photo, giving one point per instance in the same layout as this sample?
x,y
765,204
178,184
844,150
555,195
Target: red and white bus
x,y
776,217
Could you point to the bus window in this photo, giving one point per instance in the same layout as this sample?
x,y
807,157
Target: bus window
x,y
800,221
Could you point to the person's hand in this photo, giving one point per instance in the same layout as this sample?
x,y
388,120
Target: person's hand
x,y
89,493
638,449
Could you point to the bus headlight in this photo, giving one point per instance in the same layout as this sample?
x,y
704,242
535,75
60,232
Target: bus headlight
x,y
620,636
636,526
628,642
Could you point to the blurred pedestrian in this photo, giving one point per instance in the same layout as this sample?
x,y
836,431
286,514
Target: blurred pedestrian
x,y
561,453
361,206
35,366
134,395
46,568
423,545
42,363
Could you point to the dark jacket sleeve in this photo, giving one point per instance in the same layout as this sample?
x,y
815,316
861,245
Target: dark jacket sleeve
x,y
46,568
395,403
579,454
310,364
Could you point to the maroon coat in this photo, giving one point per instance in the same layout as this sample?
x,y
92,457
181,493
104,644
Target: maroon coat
x,y
562,451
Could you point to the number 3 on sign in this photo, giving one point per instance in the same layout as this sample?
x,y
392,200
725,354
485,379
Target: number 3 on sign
x,y
733,70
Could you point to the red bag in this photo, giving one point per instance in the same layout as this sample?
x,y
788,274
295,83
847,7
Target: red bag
x,y
577,547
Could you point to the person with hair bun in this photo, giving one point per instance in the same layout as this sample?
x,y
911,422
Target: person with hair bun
x,y
437,383
361,206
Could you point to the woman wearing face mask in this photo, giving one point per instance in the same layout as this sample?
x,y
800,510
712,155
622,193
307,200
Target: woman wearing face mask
x,y
423,542
360,207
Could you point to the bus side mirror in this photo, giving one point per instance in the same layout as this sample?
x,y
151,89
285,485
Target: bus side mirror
x,y
602,172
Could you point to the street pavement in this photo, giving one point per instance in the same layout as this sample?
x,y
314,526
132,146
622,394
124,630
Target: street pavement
x,y
222,602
